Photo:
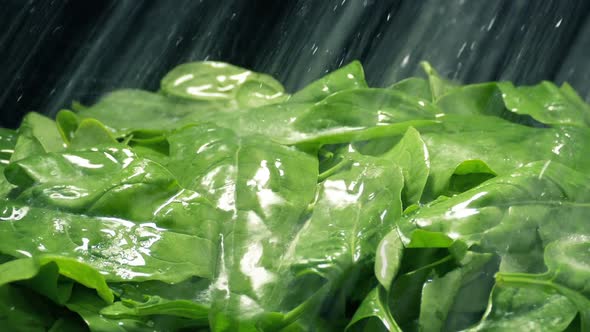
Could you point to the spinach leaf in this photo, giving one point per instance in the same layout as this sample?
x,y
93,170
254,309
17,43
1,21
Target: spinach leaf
x,y
337,243
8,139
47,268
388,258
411,154
67,122
513,308
91,132
350,115
24,311
125,111
362,114
490,215
351,212
475,99
112,232
88,306
500,145
7,143
218,81
546,103
350,76
19,269
266,188
160,306
119,249
449,301
413,86
567,273
37,134
346,116
375,306
438,85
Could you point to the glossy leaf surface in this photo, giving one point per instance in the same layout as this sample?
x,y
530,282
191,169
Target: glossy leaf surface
x,y
222,203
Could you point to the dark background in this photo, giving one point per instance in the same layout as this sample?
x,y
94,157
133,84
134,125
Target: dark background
x,y
53,52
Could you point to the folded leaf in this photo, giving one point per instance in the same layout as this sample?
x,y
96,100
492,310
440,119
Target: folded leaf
x,y
411,155
388,258
27,268
546,103
502,146
374,306
37,134
438,85
350,76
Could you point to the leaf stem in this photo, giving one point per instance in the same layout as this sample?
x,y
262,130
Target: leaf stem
x,y
335,169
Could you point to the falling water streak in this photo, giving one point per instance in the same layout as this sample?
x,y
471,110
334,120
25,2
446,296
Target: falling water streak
x,y
141,47
15,62
314,43
80,69
133,44
140,44
453,45
576,68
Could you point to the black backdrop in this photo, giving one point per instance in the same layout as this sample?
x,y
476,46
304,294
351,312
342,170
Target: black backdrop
x,y
53,52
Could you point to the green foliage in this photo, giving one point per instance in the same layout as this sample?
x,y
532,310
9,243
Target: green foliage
x,y
222,203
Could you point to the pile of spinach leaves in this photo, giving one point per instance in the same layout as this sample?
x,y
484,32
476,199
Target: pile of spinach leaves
x,y
222,203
